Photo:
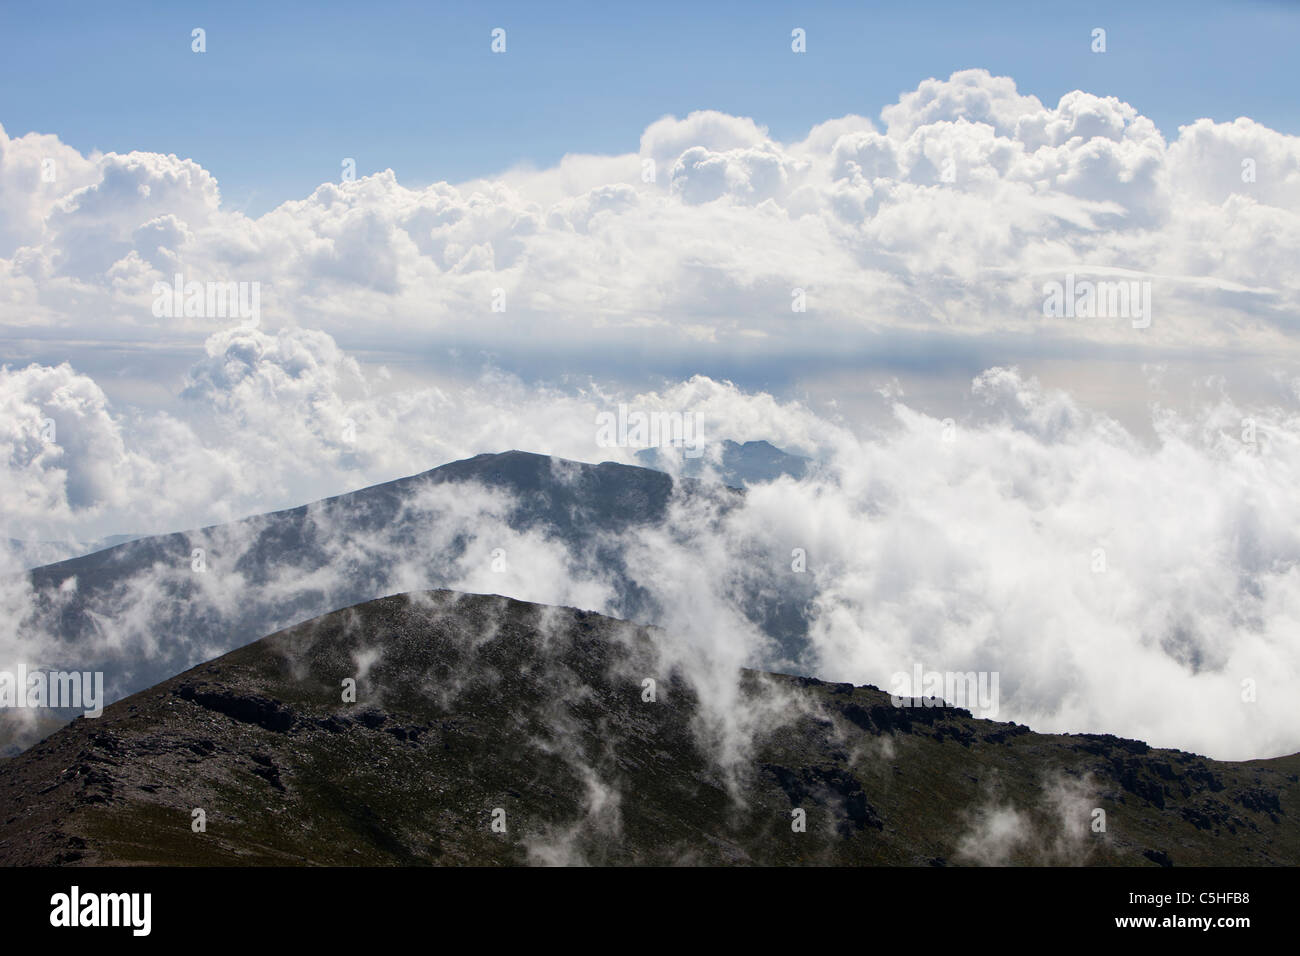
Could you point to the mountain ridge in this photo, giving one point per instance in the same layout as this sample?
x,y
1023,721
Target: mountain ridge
x,y
140,612
469,705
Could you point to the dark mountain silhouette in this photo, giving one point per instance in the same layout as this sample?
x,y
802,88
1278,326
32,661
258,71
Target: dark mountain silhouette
x,y
737,465
147,609
472,709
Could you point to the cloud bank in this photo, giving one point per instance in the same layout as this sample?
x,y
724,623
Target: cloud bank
x,y
1145,585
1115,585
943,219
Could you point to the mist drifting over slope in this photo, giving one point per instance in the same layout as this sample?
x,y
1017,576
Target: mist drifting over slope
x,y
1116,585
1128,565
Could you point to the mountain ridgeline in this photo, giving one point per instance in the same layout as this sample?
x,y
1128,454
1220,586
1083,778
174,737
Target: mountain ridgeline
x,y
484,730
147,609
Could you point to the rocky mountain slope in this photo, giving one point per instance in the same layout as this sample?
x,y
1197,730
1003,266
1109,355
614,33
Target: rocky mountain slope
x,y
472,710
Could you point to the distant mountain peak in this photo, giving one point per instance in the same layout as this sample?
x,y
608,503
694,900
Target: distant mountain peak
x,y
735,464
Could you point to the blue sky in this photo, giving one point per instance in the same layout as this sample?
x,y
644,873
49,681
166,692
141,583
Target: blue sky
x,y
283,93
